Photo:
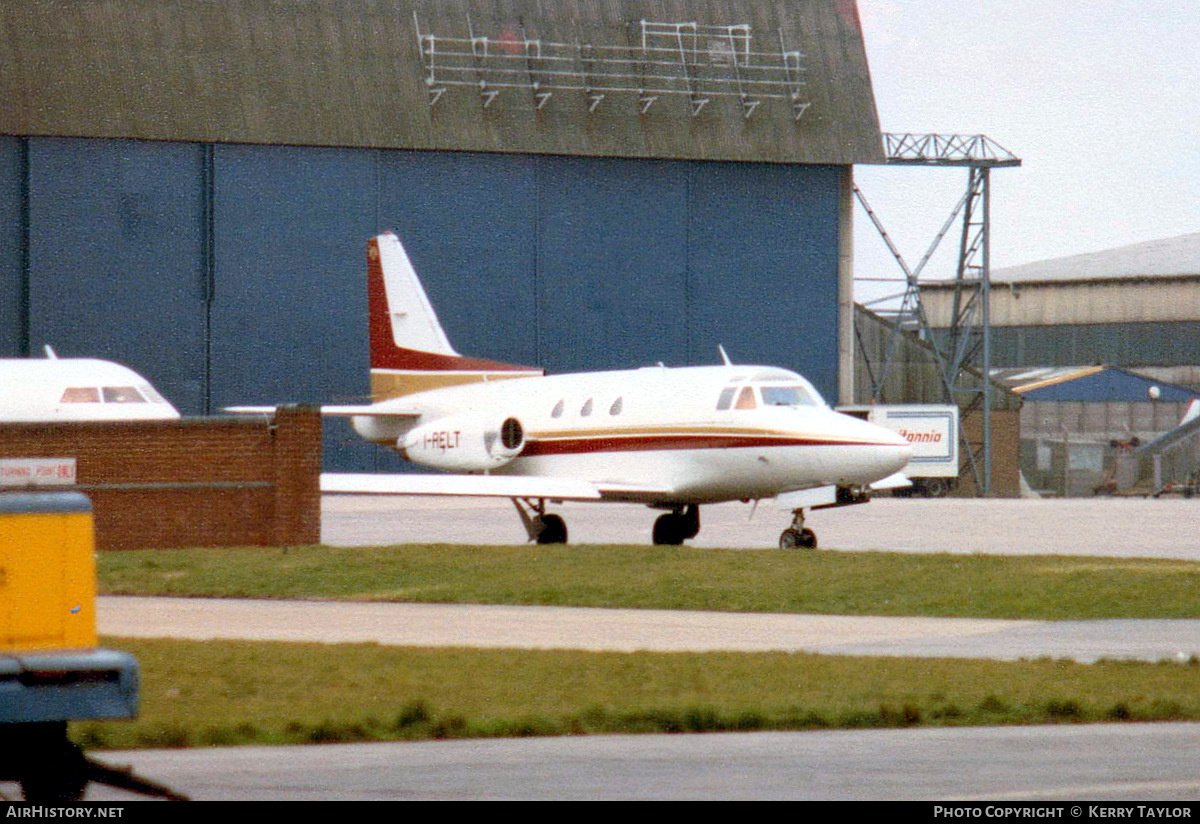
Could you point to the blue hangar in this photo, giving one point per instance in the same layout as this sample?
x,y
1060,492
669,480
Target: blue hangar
x,y
187,187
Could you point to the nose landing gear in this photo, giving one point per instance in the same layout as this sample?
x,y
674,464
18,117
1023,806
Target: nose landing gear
x,y
798,536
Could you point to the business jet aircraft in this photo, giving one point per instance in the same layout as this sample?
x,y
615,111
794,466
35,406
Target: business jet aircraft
x,y
671,438
43,390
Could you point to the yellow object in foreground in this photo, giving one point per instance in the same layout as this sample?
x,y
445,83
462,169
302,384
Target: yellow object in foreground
x,y
47,572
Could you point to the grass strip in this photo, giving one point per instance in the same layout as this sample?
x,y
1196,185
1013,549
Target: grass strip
x,y
844,583
228,693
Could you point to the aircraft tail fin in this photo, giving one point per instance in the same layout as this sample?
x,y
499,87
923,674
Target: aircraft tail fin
x,y
409,349
1191,413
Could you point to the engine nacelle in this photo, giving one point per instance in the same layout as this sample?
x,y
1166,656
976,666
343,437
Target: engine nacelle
x,y
464,443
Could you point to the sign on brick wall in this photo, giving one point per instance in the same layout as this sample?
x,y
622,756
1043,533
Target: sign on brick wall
x,y
37,471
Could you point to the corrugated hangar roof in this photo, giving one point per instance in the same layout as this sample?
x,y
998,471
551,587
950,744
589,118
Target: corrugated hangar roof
x,y
700,79
1170,257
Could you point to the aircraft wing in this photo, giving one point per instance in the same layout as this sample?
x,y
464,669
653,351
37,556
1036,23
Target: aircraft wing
x,y
483,486
342,411
1179,433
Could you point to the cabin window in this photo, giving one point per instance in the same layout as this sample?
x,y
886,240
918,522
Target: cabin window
x,y
122,394
726,399
587,408
81,394
558,409
746,399
615,409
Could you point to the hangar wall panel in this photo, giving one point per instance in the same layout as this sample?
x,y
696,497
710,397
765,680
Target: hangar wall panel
x,y
235,274
468,222
612,263
764,267
288,303
116,255
12,243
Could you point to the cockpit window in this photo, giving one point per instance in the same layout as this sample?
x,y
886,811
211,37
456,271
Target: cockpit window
x,y
726,399
587,408
81,394
746,399
150,394
122,394
558,409
615,409
787,396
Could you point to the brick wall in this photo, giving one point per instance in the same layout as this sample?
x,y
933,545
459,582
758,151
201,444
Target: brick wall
x,y
219,481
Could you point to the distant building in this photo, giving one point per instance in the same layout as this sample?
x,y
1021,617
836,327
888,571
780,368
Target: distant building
x,y
1084,431
1135,306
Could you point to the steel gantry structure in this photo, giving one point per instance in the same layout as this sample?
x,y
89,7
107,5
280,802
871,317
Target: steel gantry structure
x,y
962,352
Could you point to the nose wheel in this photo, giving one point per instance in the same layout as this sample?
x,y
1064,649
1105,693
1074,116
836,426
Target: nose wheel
x,y
798,536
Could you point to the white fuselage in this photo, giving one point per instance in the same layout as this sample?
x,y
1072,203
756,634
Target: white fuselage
x,y
40,390
694,435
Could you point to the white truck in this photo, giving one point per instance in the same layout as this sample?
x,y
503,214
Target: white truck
x,y
932,429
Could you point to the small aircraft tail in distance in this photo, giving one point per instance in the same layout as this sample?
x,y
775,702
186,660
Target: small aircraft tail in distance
x,y
409,349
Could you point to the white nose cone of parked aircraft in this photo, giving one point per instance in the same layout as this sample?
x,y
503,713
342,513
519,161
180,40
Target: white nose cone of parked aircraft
x,y
44,390
889,454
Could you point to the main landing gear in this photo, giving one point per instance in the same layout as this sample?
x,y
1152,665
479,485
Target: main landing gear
x,y
798,536
675,527
541,526
671,529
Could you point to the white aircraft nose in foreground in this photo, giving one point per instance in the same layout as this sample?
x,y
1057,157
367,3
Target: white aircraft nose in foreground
x,y
672,439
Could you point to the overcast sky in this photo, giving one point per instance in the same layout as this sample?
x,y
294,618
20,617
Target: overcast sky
x,y
1100,100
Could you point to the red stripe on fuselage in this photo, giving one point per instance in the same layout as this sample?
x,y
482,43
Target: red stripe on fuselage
x,y
646,443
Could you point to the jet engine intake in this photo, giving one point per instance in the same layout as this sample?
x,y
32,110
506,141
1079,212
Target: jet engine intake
x,y
464,443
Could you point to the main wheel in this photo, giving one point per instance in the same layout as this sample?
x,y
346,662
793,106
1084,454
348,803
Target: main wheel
x,y
670,530
553,531
792,538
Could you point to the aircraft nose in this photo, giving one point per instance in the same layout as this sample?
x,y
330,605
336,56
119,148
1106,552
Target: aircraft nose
x,y
876,434
893,451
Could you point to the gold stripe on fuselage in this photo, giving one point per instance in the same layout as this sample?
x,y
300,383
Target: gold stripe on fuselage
x,y
388,384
